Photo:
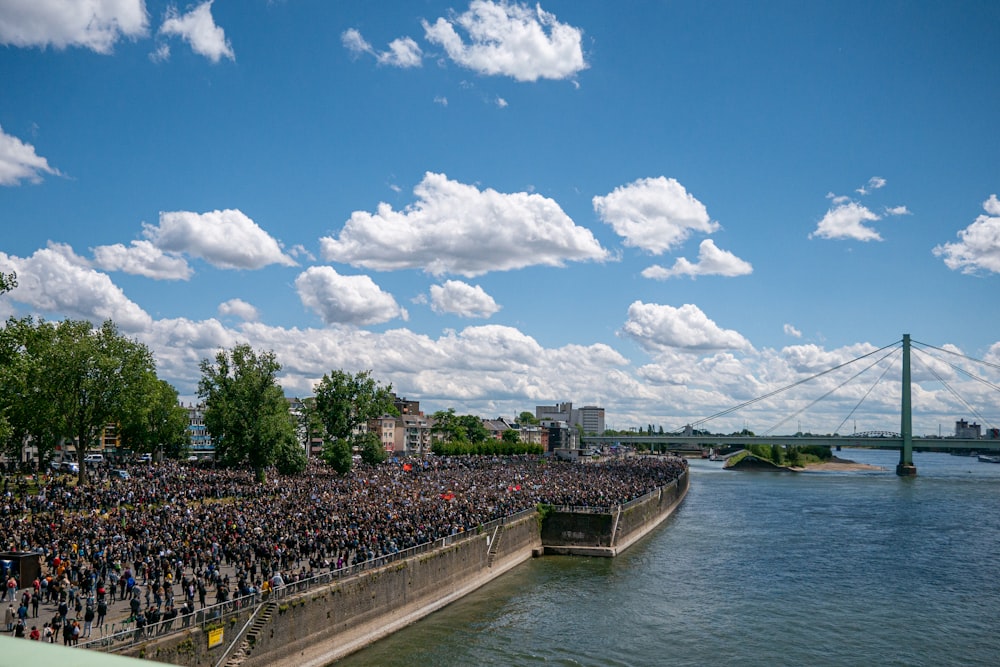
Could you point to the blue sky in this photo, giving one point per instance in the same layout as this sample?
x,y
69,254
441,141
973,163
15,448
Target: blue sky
x,y
663,208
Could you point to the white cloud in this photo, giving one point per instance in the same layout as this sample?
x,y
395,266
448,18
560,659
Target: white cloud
x,y
142,258
456,228
226,239
846,221
979,243
501,102
711,262
238,308
510,39
402,52
161,54
655,214
874,183
341,299
659,328
462,299
19,162
56,280
198,29
442,100
792,331
92,24
846,218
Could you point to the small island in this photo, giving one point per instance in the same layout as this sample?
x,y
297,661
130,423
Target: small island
x,y
811,458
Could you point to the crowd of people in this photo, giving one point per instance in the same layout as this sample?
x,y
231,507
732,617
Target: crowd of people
x,y
172,536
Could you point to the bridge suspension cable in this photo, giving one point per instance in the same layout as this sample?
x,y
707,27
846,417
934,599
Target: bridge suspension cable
x,y
838,387
955,393
870,389
770,394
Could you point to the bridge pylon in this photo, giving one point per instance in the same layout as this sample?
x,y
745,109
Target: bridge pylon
x,y
905,468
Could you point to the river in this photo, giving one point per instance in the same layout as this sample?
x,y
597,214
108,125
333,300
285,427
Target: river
x,y
756,568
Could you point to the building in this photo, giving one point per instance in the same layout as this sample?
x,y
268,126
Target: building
x,y
198,435
413,434
964,429
590,418
558,435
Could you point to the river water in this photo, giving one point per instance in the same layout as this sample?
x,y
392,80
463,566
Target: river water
x,y
756,568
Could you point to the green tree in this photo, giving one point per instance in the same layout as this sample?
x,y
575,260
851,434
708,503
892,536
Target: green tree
x,y
447,427
372,451
777,454
510,436
289,457
95,376
8,281
158,423
526,418
343,403
475,431
245,409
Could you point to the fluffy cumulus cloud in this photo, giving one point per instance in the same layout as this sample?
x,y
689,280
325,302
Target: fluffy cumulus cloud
x,y
341,299
847,219
91,24
510,39
225,239
462,299
198,28
978,247
655,214
457,228
19,162
657,328
712,261
55,280
402,52
141,258
238,308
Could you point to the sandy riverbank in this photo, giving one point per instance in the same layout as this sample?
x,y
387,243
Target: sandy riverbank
x,y
837,464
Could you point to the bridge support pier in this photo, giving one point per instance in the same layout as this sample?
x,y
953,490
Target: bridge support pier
x,y
905,468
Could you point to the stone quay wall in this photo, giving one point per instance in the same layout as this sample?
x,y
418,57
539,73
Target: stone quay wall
x,y
609,532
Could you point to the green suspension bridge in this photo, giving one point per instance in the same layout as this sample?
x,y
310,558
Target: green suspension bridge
x,y
904,441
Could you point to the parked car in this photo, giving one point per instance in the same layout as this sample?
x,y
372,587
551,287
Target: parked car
x,y
93,459
121,474
146,458
69,466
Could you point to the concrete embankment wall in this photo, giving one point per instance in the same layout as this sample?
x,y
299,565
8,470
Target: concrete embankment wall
x,y
318,627
588,534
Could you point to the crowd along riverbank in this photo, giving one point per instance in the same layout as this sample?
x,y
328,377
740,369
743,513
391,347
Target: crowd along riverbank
x,y
317,622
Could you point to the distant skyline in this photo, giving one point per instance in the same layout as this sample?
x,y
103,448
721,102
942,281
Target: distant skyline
x,y
665,209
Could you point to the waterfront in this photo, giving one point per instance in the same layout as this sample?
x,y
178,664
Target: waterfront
x,y
826,568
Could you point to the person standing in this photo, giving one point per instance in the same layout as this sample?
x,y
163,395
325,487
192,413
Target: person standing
x,y
9,618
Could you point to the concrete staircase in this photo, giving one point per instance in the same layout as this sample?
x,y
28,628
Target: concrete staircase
x,y
258,626
494,546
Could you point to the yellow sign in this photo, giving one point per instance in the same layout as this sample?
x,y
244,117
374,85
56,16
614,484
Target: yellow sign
x,y
215,637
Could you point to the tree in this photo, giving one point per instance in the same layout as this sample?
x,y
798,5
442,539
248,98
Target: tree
x,y
8,281
510,436
93,376
343,403
372,451
289,457
526,418
475,432
447,427
245,409
158,423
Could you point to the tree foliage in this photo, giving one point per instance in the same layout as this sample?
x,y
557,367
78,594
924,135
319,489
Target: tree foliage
x,y
372,451
157,423
68,381
344,402
245,409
